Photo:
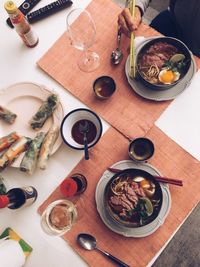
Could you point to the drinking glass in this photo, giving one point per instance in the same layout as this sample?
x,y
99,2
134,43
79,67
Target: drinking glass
x,y
59,217
82,34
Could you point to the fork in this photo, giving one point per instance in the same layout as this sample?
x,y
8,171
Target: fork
x,y
84,129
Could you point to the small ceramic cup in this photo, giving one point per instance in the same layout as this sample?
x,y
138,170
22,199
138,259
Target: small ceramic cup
x,y
141,149
104,87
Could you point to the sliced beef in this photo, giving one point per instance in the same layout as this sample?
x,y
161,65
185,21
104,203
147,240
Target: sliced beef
x,y
158,54
121,200
140,192
163,48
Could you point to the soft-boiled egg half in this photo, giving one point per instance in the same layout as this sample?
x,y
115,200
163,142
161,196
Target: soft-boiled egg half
x,y
168,76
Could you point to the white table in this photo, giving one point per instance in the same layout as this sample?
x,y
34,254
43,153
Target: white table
x,y
18,63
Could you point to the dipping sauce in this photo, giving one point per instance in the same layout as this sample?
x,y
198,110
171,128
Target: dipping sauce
x,y
104,87
78,136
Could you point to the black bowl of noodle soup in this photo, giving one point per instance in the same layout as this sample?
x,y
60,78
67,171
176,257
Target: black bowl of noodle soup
x,y
162,62
133,198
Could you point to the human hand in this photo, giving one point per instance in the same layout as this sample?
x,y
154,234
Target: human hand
x,y
127,23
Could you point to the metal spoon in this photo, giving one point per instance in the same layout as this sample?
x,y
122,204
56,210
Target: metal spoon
x,y
117,55
84,129
89,242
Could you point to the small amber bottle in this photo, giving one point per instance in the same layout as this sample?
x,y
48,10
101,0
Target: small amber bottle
x,y
21,25
73,185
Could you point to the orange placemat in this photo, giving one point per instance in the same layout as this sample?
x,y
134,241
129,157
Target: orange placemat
x,y
126,111
171,160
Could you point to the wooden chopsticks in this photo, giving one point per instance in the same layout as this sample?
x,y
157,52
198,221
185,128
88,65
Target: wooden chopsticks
x,y
132,44
158,178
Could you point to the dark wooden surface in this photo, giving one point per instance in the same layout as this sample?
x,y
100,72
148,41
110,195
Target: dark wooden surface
x,y
184,249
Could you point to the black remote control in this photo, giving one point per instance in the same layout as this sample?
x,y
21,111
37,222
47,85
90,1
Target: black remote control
x,y
48,10
25,7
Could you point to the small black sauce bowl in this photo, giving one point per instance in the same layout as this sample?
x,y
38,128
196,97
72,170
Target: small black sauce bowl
x,y
141,149
104,87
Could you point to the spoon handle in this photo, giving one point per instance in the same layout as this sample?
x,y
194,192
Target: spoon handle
x,y
113,258
86,147
119,34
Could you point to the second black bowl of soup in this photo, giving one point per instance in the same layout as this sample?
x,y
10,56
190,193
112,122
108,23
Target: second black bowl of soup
x,y
133,198
162,62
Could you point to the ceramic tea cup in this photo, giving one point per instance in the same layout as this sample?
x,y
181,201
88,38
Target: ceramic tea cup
x,y
141,149
104,87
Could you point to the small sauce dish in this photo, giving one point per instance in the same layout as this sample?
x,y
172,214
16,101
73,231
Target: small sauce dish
x,y
104,87
71,134
141,149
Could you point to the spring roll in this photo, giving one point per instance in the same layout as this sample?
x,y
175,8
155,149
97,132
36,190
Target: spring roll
x,y
44,112
3,189
8,140
7,115
47,146
14,151
29,161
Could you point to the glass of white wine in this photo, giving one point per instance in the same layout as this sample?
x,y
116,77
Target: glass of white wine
x,y
82,34
59,217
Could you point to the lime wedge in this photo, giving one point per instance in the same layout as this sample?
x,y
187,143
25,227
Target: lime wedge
x,y
177,58
148,205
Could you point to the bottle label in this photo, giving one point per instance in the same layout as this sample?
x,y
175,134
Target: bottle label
x,y
30,38
17,19
30,194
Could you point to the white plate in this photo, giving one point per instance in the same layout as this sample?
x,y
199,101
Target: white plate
x,y
160,95
125,231
24,99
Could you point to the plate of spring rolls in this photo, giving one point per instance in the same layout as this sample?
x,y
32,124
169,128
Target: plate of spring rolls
x,y
30,118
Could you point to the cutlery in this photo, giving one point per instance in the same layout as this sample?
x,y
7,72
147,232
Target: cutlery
x,y
117,55
158,178
84,129
89,242
132,45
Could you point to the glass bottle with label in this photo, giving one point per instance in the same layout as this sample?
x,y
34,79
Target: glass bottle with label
x,y
21,25
18,197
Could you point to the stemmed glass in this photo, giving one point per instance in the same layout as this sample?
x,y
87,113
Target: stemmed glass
x,y
82,33
59,217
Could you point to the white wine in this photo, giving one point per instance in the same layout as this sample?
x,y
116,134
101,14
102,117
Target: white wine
x,y
59,217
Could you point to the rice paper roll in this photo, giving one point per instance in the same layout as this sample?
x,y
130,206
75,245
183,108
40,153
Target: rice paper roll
x,y
8,140
3,189
3,161
7,115
47,146
29,161
14,151
44,112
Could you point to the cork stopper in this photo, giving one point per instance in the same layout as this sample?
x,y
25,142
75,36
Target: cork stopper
x,y
10,7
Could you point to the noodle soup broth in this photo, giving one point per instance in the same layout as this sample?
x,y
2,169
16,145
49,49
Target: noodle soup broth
x,y
133,198
162,62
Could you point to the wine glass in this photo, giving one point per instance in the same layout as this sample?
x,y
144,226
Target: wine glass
x,y
82,33
59,217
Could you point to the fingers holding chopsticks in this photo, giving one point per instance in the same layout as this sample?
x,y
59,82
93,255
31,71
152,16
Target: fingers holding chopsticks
x,y
127,23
